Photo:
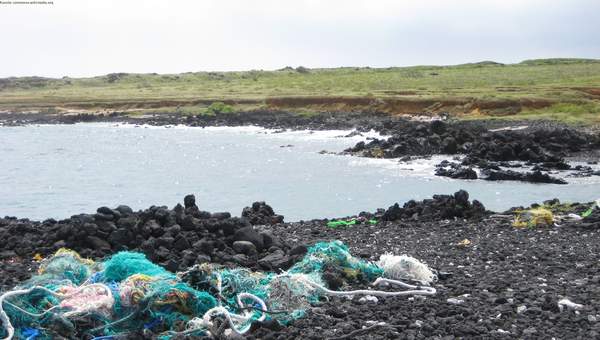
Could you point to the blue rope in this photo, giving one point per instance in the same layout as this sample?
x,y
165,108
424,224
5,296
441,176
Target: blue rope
x,y
31,333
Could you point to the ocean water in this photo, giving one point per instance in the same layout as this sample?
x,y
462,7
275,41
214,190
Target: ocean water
x,y
60,170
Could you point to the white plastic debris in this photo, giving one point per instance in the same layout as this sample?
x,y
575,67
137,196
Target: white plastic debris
x,y
369,298
511,128
574,217
455,301
404,267
568,304
521,309
373,322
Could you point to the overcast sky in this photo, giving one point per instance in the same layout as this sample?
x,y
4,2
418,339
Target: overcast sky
x,y
94,37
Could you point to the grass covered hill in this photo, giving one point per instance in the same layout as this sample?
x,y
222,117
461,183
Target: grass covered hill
x,y
564,89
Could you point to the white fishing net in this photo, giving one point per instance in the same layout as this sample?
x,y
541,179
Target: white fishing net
x,y
403,267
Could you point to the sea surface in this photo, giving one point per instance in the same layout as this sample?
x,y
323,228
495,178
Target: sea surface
x,y
60,170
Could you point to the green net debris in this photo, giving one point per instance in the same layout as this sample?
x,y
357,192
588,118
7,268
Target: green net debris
x,y
335,254
347,223
128,295
588,213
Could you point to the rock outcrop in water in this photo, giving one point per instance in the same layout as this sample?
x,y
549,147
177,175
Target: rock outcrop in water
x,y
535,145
494,173
485,149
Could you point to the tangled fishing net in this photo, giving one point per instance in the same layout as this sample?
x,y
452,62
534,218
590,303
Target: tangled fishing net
x,y
531,218
405,268
127,294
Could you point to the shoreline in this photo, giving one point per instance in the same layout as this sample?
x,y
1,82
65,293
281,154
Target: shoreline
x,y
497,279
279,119
415,167
496,271
494,150
501,281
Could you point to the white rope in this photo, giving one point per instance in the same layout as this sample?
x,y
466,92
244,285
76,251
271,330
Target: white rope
x,y
205,322
416,289
256,299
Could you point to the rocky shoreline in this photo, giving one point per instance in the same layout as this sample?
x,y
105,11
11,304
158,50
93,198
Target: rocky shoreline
x,y
536,151
495,280
503,283
492,150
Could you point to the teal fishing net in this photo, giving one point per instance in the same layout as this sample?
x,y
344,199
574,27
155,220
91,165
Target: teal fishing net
x,y
127,293
335,254
124,264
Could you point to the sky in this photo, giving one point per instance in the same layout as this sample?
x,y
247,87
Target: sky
x,y
80,38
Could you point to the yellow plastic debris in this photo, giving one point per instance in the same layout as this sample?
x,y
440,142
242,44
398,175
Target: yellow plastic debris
x,y
37,257
464,242
538,217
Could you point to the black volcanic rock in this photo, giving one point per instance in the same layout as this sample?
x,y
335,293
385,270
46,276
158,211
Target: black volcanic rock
x,y
543,146
261,213
440,206
189,201
455,170
250,235
509,175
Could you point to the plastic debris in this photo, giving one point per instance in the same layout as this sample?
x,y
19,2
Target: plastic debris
x,y
127,294
464,242
568,304
369,298
537,217
589,212
350,222
455,301
341,223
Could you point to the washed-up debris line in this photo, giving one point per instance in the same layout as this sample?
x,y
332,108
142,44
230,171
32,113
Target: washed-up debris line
x,y
557,214
126,294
